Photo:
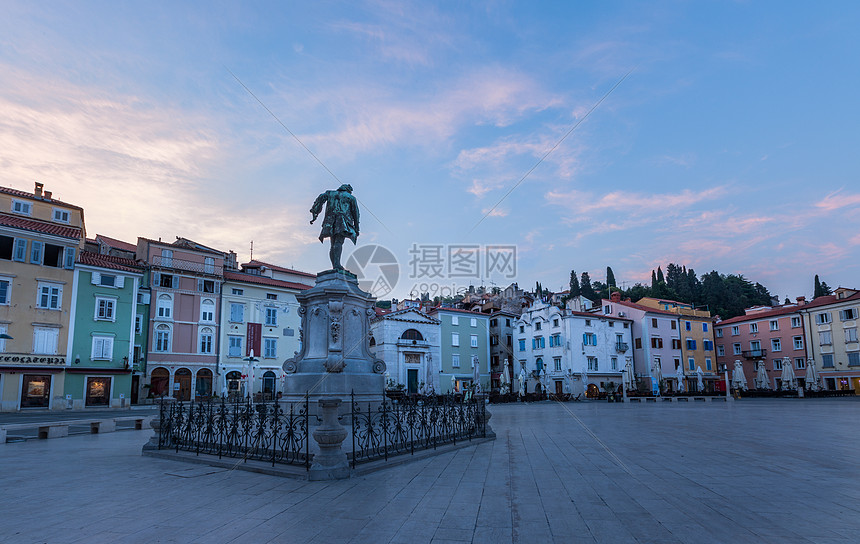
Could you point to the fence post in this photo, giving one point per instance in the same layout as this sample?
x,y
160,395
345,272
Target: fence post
x,y
307,432
352,423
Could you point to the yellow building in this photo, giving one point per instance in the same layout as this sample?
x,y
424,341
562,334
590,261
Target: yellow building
x,y
696,329
40,238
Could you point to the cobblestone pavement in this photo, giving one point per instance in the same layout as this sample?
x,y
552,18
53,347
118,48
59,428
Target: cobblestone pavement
x,y
782,470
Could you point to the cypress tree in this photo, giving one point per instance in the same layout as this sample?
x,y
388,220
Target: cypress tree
x,y
610,277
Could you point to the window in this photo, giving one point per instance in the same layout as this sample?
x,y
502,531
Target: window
x,y
102,348
205,286
555,322
557,363
736,349
20,253
721,351
800,363
848,314
707,345
537,325
590,339
455,360
538,342
45,340
798,342
473,322
507,322
613,363
753,328
473,340
271,317
271,296
674,325
612,323
5,291
494,322
138,324
592,364
24,208
691,344
107,280
3,330
36,252
494,340
850,335
657,342
522,329
455,339
207,310
827,360
539,364
704,327
691,364
165,280
50,296
105,309
234,346
555,340
238,292
777,364
736,330
607,309
755,345
587,322
164,308
718,333
162,338
825,338
795,321
522,344
455,319
61,216
822,318
688,326
166,257
69,260
653,322
270,348
775,344
854,359
237,312
206,340
637,343
774,325
708,364
208,265
676,343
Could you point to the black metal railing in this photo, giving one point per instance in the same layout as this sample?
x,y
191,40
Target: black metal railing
x,y
275,432
396,427
754,354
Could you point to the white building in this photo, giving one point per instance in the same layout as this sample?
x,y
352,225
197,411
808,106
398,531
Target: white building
x,y
408,341
562,350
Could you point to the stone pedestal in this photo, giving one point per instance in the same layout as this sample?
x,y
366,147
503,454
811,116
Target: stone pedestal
x,y
331,461
335,359
155,423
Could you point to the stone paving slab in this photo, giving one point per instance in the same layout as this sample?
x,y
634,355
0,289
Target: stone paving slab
x,y
763,470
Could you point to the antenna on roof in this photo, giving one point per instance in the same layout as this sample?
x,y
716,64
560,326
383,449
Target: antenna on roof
x,y
252,250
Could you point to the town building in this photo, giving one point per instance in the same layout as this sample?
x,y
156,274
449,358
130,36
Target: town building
x,y
40,238
830,329
464,337
101,329
501,346
408,341
764,335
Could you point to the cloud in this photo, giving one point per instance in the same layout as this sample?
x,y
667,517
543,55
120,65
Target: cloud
x,y
582,202
837,200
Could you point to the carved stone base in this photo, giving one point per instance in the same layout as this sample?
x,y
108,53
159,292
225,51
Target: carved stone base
x,y
331,461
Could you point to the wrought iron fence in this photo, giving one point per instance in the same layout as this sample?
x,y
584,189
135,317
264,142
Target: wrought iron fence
x,y
276,431
395,427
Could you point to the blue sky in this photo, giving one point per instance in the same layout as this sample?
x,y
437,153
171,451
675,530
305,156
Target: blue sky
x,y
732,145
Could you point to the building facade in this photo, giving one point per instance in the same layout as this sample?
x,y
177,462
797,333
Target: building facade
x,y
830,325
408,341
40,238
501,346
464,335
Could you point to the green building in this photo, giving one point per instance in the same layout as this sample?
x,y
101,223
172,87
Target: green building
x,y
102,331
464,335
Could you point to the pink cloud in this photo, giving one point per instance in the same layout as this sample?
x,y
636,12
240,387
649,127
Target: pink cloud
x,y
837,200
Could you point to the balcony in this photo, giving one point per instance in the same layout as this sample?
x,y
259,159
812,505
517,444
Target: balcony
x,y
621,347
754,354
188,266
405,342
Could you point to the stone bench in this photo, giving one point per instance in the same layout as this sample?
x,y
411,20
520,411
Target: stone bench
x,y
59,429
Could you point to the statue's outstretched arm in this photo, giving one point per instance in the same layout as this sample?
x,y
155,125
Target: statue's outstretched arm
x,y
317,207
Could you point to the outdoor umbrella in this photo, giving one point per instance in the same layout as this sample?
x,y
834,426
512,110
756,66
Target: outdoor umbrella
x,y
658,373
584,376
761,379
789,380
429,388
476,373
522,384
628,376
504,378
679,371
813,381
739,381
700,383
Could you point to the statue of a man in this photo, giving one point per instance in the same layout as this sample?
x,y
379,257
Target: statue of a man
x,y
340,222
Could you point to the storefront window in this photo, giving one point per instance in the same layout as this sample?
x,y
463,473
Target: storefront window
x,y
98,391
35,391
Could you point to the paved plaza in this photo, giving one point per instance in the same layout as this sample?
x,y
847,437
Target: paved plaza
x,y
755,470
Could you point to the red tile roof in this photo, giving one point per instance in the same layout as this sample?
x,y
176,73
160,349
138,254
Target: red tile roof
x,y
830,299
444,309
782,310
108,261
116,244
263,280
640,307
36,225
32,196
256,264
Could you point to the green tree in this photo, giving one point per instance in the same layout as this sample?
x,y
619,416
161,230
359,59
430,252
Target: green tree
x,y
821,288
586,288
575,291
610,277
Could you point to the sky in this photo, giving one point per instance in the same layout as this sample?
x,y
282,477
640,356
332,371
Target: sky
x,y
717,135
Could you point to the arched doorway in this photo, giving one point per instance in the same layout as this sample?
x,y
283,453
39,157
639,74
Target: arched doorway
x,y
234,380
159,382
593,391
203,386
183,378
269,385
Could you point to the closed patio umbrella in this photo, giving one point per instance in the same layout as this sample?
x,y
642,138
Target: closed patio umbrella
x,y
789,380
700,382
504,382
761,379
429,375
739,381
476,373
628,376
813,380
522,384
682,383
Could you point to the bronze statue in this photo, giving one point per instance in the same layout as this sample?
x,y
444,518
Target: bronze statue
x,y
340,222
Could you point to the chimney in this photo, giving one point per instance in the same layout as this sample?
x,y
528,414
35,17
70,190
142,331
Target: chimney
x,y
801,301
615,296
38,191
48,195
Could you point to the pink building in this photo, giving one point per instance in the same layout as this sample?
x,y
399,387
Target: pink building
x,y
764,335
